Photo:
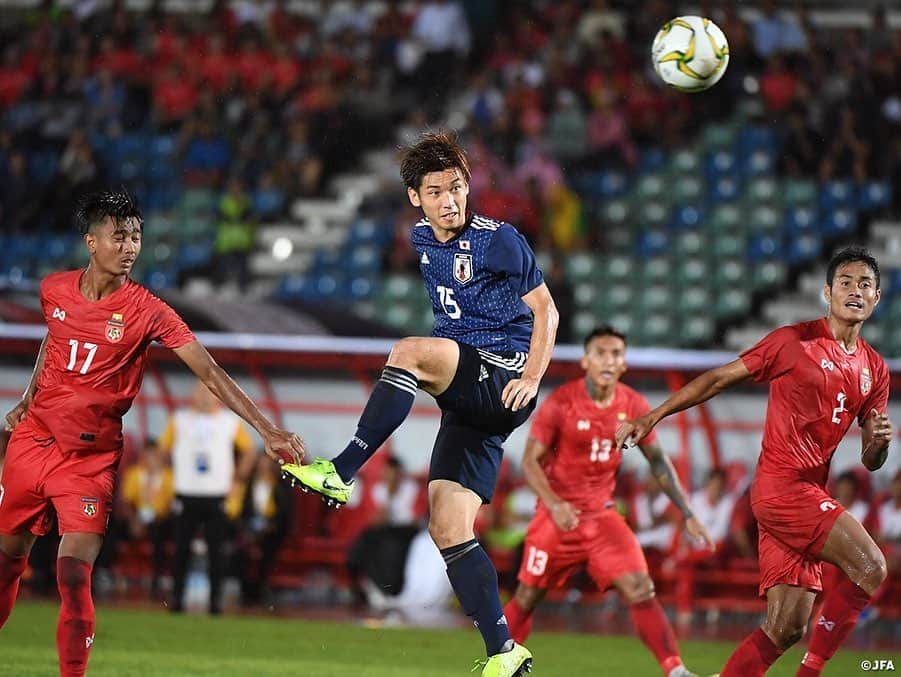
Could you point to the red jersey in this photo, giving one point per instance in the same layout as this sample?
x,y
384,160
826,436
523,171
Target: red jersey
x,y
95,358
816,392
583,460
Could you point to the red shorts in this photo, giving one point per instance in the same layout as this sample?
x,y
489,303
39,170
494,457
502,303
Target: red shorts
x,y
38,477
604,543
793,530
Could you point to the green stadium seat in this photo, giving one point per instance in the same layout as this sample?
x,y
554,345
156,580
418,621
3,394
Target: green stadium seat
x,y
653,214
656,330
656,270
687,189
696,330
689,244
768,274
398,315
726,246
799,193
615,298
762,190
616,212
582,323
718,136
583,266
654,299
398,286
619,267
585,294
732,303
197,202
730,274
683,163
650,186
691,272
694,299
726,218
764,220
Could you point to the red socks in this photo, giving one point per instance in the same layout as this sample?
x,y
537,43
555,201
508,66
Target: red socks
x,y
655,631
752,657
11,570
519,621
837,618
75,629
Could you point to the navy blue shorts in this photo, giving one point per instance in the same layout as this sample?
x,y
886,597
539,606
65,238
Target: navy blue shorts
x,y
475,423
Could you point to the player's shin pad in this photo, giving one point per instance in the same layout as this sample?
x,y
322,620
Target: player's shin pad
x,y
319,477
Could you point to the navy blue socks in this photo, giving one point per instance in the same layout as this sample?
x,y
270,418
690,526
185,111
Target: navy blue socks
x,y
474,580
388,406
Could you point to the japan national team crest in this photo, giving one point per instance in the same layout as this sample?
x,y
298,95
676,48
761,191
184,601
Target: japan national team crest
x,y
115,328
865,381
462,268
89,506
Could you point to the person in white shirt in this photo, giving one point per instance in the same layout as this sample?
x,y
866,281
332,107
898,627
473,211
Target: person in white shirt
x,y
713,506
202,440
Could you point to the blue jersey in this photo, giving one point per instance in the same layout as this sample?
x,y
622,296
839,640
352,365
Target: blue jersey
x,y
476,282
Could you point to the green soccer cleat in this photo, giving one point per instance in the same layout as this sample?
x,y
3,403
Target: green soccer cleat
x,y
320,476
514,663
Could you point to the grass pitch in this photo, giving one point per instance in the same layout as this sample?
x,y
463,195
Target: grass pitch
x,y
138,643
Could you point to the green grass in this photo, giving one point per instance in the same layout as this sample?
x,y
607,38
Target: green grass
x,y
132,643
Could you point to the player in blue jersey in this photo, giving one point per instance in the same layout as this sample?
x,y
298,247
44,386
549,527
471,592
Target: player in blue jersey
x,y
495,325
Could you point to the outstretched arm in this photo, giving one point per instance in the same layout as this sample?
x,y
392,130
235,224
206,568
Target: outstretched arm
x,y
875,436
519,392
280,444
694,392
565,515
665,474
15,416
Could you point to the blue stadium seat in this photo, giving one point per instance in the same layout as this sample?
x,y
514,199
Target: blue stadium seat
x,y
804,248
365,259
763,247
652,243
686,217
651,159
723,189
761,162
838,222
361,287
194,255
800,220
874,195
160,278
839,193
720,163
756,138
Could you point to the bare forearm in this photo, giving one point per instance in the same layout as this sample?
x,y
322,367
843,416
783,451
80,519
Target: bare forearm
x,y
541,346
230,394
538,482
874,455
32,388
665,474
695,392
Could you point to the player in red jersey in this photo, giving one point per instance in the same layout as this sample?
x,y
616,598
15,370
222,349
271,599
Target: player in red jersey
x,y
822,376
571,463
67,430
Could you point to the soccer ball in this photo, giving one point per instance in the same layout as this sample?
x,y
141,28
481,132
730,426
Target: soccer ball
x,y
690,53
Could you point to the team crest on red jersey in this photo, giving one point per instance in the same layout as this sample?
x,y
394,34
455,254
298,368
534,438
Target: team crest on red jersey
x,y
89,506
462,268
115,328
866,381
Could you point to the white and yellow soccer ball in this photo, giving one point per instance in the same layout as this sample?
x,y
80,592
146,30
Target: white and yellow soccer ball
x,y
690,53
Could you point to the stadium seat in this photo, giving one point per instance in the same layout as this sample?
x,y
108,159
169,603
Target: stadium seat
x,y
689,244
688,216
799,193
839,221
690,272
835,194
725,218
687,189
763,247
730,273
655,329
720,163
724,189
582,323
761,190
694,299
615,212
656,270
651,160
751,138
804,248
765,220
683,163
653,214
582,266
801,219
759,163
619,267
654,299
727,246
696,330
651,187
652,243
874,195
732,303
718,136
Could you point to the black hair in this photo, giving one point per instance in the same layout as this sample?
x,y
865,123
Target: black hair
x,y
95,208
849,476
717,472
851,255
603,330
434,152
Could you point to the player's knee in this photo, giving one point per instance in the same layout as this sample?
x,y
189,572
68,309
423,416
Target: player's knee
x,y
876,571
405,354
445,535
639,589
71,576
786,633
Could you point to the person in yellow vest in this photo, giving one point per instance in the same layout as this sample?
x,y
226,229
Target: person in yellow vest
x,y
147,495
202,440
